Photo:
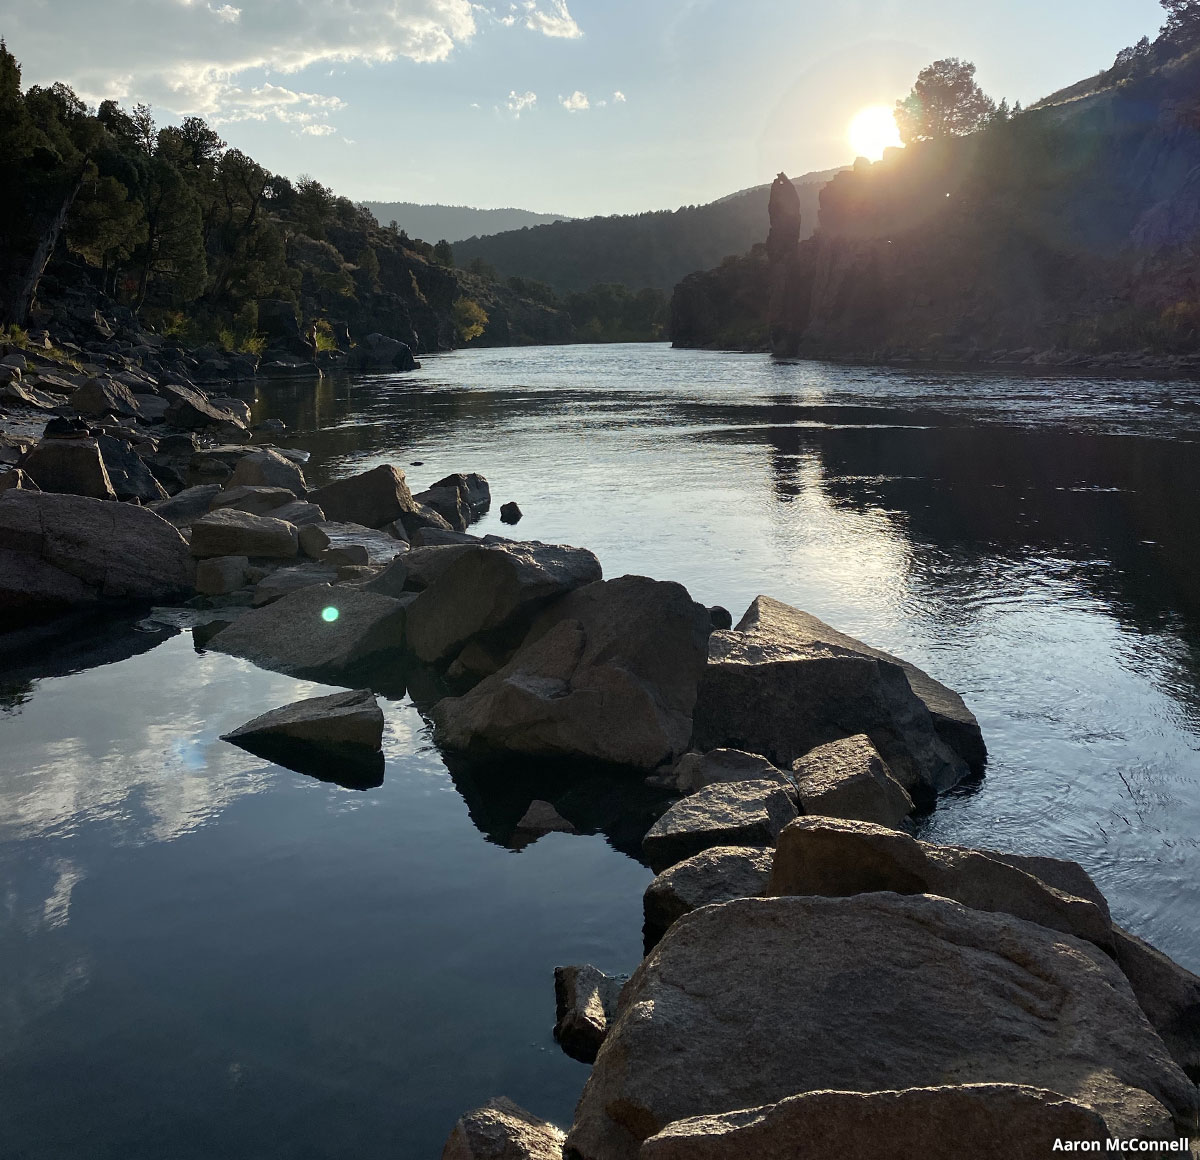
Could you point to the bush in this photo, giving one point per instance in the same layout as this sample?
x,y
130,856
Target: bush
x,y
469,319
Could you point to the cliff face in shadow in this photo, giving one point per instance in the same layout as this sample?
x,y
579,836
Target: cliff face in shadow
x,y
1074,227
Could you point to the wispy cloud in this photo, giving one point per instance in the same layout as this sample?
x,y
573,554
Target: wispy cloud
x,y
321,130
575,103
227,13
618,97
551,18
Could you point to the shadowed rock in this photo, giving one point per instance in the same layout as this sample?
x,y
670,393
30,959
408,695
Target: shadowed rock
x,y
69,467
229,532
371,498
585,1001
268,468
341,721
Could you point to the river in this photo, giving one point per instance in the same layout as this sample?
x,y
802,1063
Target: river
x,y
205,955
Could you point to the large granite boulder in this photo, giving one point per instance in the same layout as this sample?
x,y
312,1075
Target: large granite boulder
x,y
981,1121
268,468
131,479
449,503
378,352
493,588
954,722
750,1002
608,673
63,550
191,411
848,779
371,498
837,858
501,1130
768,689
318,632
694,771
231,532
102,396
718,874
69,467
737,813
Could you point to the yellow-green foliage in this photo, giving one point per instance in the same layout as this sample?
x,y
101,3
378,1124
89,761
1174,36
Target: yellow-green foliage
x,y
469,319
324,336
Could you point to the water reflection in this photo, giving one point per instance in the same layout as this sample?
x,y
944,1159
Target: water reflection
x,y
207,954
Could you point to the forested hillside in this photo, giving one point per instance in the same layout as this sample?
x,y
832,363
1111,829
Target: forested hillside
x,y
637,250
192,236
1058,235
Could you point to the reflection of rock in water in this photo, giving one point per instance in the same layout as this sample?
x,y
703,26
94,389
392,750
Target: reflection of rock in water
x,y
594,799
71,644
350,766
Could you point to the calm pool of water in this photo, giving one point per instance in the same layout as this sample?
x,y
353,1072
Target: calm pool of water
x,y
205,955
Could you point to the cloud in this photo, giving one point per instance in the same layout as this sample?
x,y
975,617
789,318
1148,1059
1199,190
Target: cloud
x,y
551,19
575,103
519,103
226,13
618,97
318,130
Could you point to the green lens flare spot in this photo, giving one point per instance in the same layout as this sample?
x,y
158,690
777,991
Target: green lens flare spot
x,y
329,615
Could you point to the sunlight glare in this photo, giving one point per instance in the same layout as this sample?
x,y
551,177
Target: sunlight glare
x,y
873,130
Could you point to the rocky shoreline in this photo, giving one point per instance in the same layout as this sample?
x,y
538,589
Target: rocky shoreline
x,y
813,970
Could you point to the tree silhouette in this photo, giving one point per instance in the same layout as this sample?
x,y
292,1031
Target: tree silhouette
x,y
1183,19
944,102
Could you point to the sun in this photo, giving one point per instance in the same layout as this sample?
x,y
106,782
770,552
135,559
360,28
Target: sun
x,y
871,131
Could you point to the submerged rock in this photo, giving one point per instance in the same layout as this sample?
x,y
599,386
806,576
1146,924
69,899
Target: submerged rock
x,y
501,1130
585,1001
983,1121
608,673
753,1001
739,813
510,513
343,719
317,632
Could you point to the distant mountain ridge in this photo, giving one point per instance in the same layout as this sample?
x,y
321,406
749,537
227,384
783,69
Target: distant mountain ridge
x,y
432,223
656,249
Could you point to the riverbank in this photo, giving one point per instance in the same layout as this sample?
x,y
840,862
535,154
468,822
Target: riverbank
x,y
522,498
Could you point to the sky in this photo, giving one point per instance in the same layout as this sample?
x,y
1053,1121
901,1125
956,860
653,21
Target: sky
x,y
577,107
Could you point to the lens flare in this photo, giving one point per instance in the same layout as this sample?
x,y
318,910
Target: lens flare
x,y
329,615
873,130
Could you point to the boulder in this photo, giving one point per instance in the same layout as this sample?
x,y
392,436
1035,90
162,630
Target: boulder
x,y
191,411
493,588
372,498
187,506
1167,993
229,532
151,408
27,396
423,565
422,518
694,771
585,1002
268,468
718,874
130,478
848,779
64,550
720,617
767,690
351,719
449,503
221,575
837,858
340,543
378,352
299,513
316,632
284,580
543,818
750,1002
501,1130
257,500
983,1121
608,673
510,513
473,488
69,467
737,813
102,396
954,722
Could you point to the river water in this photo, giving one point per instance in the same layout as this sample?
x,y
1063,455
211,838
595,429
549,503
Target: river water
x,y
202,954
